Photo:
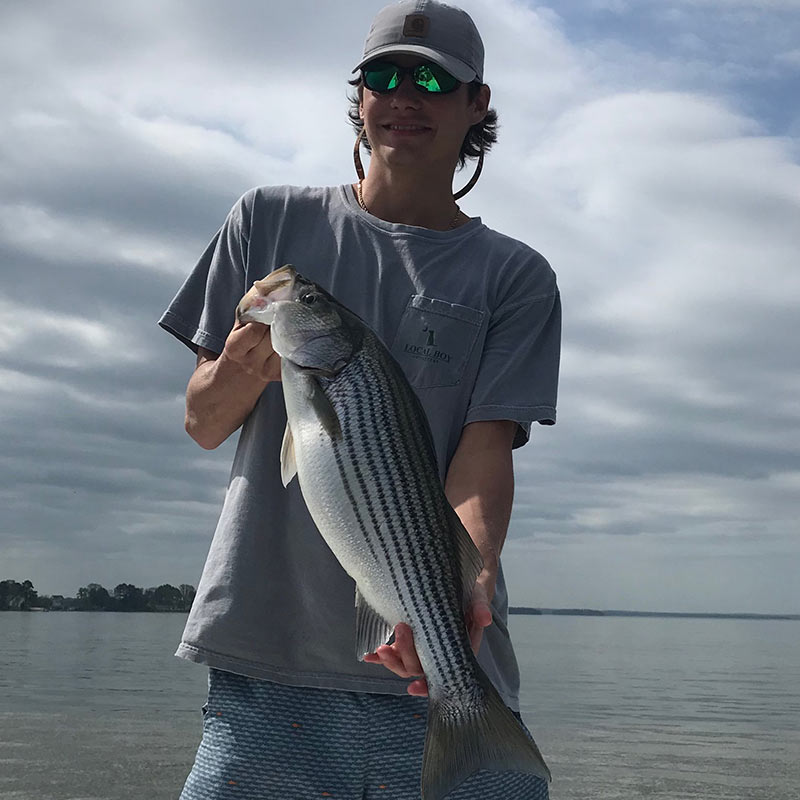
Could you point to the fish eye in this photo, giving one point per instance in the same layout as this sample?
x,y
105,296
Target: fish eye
x,y
309,298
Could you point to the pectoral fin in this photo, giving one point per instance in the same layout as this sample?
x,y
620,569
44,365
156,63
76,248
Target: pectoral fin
x,y
324,411
288,463
372,630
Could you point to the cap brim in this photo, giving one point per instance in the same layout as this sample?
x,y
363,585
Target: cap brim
x,y
457,68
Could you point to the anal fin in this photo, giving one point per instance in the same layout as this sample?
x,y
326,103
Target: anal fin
x,y
372,630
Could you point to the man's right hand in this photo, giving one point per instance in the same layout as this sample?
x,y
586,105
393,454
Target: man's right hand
x,y
250,346
225,387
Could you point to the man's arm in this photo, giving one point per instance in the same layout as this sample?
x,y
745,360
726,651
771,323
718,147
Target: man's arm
x,y
480,487
225,387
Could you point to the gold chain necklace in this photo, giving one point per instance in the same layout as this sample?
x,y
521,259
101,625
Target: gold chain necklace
x,y
360,194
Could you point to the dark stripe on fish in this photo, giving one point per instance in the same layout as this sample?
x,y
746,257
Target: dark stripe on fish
x,y
387,453
438,607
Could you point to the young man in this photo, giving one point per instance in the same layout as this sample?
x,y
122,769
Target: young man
x,y
473,317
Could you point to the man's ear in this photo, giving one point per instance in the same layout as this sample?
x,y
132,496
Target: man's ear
x,y
481,102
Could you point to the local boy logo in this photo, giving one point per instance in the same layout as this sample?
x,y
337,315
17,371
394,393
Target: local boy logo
x,y
427,349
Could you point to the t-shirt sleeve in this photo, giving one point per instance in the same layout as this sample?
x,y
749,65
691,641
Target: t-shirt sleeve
x,y
518,374
202,313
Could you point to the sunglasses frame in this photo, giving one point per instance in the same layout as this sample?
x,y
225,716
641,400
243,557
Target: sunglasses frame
x,y
401,72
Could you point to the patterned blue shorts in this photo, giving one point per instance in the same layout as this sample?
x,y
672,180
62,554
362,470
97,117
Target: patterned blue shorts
x,y
268,741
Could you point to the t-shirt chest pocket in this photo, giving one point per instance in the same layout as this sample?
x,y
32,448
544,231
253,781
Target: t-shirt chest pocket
x,y
434,341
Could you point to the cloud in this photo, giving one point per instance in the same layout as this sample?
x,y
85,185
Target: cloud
x,y
649,151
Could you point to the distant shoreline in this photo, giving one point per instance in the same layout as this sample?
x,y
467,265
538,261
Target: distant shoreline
x,y
38,609
521,610
590,612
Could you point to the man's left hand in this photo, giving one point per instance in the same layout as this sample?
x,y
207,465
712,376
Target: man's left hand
x,y
401,656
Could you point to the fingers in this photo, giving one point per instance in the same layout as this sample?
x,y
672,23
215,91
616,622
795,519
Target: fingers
x,y
402,659
392,660
271,368
476,637
250,346
479,616
244,337
404,645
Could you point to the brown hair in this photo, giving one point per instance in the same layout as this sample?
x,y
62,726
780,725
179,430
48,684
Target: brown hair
x,y
480,137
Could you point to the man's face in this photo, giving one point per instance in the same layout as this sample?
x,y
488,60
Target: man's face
x,y
407,126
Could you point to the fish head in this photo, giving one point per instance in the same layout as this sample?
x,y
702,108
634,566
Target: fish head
x,y
308,326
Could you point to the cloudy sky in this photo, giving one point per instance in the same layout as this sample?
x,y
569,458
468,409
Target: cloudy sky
x,y
650,150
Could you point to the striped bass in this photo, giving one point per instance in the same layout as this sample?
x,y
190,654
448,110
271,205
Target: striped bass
x,y
360,444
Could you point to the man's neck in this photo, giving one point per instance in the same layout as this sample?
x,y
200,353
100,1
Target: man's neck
x,y
411,199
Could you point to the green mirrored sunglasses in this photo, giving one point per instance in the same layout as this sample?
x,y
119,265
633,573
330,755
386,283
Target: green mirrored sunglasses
x,y
429,78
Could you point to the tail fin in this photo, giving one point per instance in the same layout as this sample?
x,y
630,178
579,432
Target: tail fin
x,y
459,742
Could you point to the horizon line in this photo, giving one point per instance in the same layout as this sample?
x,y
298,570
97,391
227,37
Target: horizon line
x,y
610,612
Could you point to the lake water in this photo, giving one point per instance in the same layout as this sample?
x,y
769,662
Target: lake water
x,y
95,707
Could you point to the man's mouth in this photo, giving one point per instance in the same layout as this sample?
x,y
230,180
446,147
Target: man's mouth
x,y
418,128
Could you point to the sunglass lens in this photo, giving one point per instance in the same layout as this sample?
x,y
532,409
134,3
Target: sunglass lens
x,y
381,77
432,78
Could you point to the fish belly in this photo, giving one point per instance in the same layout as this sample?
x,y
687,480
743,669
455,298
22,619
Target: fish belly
x,y
328,483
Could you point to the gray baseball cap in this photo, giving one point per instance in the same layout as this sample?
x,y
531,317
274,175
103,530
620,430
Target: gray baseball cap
x,y
444,34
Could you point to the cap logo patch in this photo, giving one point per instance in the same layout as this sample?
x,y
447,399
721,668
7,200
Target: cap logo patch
x,y
416,25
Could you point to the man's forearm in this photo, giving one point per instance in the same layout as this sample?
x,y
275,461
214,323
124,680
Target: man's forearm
x,y
480,487
219,398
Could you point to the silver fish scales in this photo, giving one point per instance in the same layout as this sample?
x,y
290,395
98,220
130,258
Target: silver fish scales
x,y
359,441
386,466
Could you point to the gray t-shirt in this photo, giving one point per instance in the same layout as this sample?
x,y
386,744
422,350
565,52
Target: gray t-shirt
x,y
474,319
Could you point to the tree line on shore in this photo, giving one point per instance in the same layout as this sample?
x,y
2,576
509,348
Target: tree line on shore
x,y
15,596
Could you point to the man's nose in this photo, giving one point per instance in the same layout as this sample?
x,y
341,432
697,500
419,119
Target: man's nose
x,y
405,94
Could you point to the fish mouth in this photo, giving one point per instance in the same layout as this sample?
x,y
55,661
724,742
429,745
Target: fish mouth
x,y
258,305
